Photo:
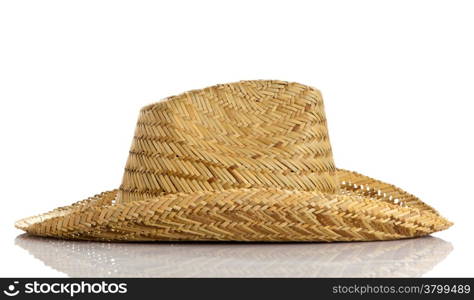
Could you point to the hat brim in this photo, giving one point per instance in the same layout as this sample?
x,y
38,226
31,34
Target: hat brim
x,y
364,209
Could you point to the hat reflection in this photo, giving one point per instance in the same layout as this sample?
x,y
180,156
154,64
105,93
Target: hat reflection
x,y
401,258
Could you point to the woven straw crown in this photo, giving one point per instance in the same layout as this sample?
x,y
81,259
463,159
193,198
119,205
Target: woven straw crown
x,y
266,134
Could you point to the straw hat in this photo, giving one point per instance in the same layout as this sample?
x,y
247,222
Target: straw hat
x,y
245,161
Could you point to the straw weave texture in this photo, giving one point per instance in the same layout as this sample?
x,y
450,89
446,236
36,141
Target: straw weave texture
x,y
246,161
254,134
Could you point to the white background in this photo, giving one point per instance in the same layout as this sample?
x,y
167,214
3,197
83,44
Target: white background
x,y
397,78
